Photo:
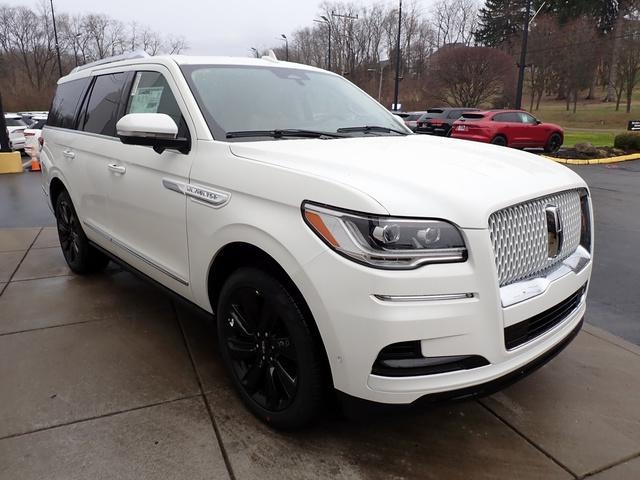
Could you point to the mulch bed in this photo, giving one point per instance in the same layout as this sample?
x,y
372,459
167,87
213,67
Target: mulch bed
x,y
598,152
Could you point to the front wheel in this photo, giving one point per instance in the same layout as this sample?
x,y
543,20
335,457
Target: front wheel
x,y
553,144
80,255
269,349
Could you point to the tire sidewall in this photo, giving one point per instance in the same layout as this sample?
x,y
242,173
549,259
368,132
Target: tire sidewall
x,y
302,409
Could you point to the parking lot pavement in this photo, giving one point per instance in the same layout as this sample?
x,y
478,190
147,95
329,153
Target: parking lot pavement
x,y
105,377
614,303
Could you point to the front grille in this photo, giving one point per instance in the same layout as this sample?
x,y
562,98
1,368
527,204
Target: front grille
x,y
520,237
522,332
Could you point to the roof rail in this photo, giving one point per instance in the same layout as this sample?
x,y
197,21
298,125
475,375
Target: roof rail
x,y
116,58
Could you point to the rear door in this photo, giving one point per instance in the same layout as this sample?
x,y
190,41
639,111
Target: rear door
x,y
147,208
508,124
93,150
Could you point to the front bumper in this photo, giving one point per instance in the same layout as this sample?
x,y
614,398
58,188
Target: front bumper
x,y
356,325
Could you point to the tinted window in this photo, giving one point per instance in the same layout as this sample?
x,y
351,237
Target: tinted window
x,y
507,117
14,122
472,116
413,117
151,94
102,107
454,114
65,102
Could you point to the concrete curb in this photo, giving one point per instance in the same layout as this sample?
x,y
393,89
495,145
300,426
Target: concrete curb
x,y
595,161
611,338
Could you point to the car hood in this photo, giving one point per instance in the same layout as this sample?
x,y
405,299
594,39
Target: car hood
x,y
419,176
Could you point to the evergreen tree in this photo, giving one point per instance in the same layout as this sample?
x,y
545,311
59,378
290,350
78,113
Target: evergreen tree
x,y
499,21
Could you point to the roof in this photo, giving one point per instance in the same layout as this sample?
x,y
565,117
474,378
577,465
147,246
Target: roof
x,y
141,58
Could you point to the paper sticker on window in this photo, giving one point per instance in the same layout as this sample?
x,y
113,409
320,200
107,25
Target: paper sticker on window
x,y
146,100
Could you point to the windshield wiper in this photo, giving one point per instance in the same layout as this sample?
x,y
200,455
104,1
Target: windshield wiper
x,y
371,128
288,132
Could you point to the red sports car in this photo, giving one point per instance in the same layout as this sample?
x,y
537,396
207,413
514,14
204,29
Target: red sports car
x,y
509,128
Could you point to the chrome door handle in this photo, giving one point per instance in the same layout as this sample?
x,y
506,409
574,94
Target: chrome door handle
x,y
68,154
115,168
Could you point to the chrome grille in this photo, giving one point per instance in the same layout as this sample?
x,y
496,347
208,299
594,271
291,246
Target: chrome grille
x,y
520,239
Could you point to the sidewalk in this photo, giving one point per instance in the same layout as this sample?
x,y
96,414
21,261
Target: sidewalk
x,y
104,377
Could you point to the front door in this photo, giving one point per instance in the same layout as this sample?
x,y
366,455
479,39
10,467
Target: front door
x,y
148,217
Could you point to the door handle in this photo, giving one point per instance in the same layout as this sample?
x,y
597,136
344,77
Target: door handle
x,y
115,168
68,154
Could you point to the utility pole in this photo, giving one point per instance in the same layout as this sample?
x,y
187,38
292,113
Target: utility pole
x,y
55,35
523,56
4,137
286,45
328,23
346,17
397,86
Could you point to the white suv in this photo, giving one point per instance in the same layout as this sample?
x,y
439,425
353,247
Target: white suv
x,y
333,247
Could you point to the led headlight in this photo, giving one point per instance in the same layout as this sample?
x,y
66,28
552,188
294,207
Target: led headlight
x,y
386,242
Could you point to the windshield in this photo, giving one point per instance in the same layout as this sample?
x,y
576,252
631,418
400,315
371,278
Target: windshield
x,y
257,98
14,122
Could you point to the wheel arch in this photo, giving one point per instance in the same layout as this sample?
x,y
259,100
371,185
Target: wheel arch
x,y
239,254
56,187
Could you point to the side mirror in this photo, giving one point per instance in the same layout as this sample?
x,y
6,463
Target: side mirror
x,y
538,122
156,130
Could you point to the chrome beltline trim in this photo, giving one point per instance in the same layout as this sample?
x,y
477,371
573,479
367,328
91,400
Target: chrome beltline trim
x,y
204,195
137,254
423,298
527,289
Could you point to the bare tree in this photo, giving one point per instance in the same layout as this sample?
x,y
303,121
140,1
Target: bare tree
x,y
472,76
454,21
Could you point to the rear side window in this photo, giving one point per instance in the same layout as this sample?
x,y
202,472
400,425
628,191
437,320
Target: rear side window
x,y
151,94
507,117
454,114
102,107
63,109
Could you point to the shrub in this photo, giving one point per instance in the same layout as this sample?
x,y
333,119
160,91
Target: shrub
x,y
627,141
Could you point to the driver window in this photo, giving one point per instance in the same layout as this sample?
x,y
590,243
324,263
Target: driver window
x,y
151,94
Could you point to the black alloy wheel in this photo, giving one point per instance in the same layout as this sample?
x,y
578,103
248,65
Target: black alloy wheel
x,y
500,141
554,143
267,346
80,255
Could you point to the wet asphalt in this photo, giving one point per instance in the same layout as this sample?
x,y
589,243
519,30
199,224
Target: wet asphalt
x,y
614,300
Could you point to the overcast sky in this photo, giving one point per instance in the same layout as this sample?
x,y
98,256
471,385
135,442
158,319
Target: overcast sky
x,y
215,27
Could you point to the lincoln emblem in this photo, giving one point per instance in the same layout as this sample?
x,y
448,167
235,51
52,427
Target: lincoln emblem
x,y
554,231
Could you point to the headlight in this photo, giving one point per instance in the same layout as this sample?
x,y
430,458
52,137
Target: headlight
x,y
386,242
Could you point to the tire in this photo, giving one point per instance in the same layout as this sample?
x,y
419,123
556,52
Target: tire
x,y
81,257
269,349
553,143
500,140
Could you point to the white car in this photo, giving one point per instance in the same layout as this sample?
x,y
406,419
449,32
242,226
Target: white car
x,y
15,128
33,135
333,247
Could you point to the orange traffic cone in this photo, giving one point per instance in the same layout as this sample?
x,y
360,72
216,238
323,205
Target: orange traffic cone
x,y
35,164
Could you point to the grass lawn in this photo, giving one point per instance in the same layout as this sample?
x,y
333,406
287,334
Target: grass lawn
x,y
597,138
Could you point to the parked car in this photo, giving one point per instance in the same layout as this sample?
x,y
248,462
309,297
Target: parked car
x,y
509,128
438,121
33,135
332,246
28,117
15,128
411,119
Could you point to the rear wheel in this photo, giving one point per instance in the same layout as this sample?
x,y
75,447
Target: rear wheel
x,y
500,140
269,349
554,143
80,255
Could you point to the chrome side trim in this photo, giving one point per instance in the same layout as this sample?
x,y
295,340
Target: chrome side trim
x,y
137,254
423,298
526,289
208,196
80,132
